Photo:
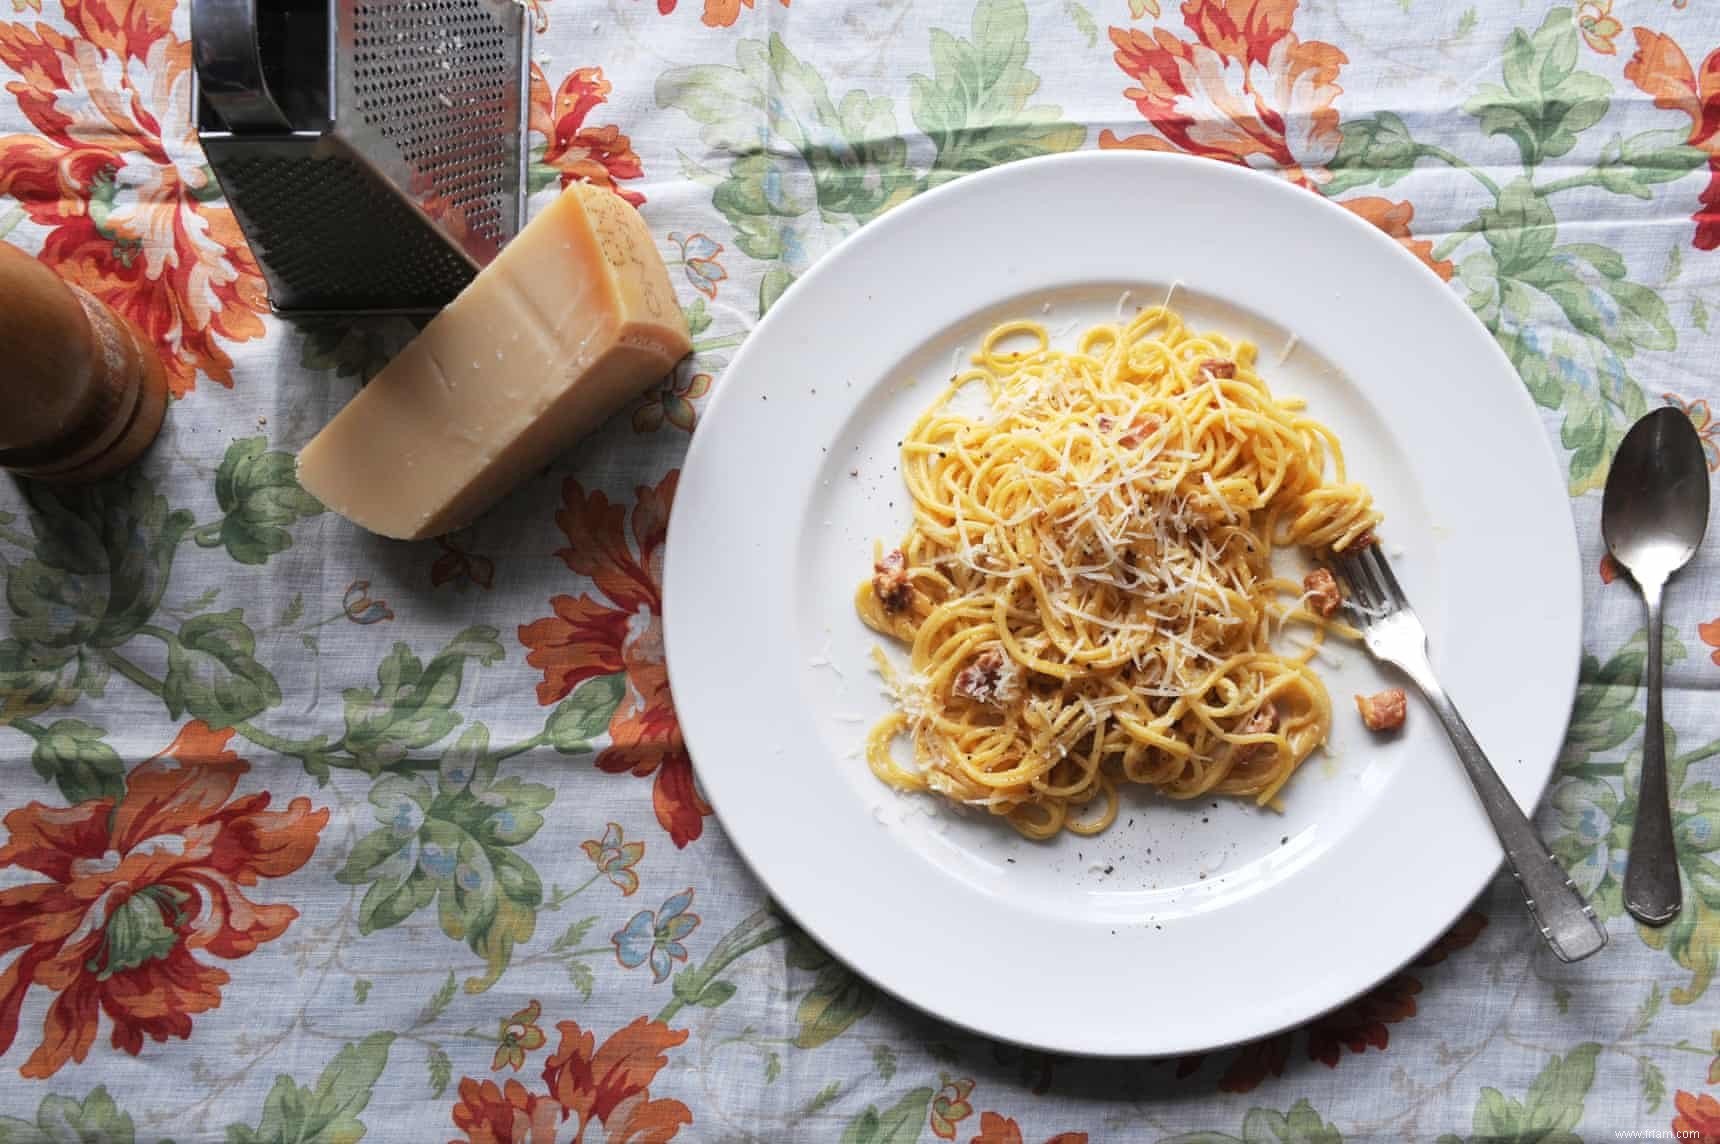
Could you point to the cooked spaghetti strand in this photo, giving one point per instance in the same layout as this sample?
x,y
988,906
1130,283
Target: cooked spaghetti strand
x,y
1086,592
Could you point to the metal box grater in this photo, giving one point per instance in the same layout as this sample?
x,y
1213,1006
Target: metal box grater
x,y
373,151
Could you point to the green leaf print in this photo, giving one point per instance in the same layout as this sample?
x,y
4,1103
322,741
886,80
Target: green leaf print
x,y
1566,314
1520,229
327,1114
585,714
1653,1083
441,1068
698,317
71,755
1376,150
1693,937
454,843
1083,21
1594,820
802,158
32,681
213,673
848,158
259,491
1587,283
1301,1125
62,1120
772,286
1550,1110
838,999
1631,166
1546,102
708,995
412,705
439,1001
103,556
702,984
974,106
355,348
898,1124
1605,713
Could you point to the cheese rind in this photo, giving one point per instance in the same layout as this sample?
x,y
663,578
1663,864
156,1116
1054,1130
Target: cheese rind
x,y
574,317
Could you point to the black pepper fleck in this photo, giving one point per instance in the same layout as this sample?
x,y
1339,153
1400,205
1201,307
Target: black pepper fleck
x,y
1284,841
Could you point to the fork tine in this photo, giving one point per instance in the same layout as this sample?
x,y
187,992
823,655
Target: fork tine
x,y
1358,585
1394,591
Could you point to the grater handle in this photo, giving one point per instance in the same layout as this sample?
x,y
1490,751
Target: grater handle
x,y
230,65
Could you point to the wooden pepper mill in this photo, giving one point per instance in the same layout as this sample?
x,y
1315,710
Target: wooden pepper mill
x,y
81,393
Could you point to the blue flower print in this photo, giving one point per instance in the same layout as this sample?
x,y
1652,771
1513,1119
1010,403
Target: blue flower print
x,y
657,937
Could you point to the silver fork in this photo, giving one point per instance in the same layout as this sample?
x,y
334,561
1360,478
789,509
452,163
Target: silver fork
x,y
1393,633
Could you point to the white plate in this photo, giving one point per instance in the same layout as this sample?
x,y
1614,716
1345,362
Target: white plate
x,y
1187,926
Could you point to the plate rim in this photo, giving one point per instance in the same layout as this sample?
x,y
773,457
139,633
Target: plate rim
x,y
1540,456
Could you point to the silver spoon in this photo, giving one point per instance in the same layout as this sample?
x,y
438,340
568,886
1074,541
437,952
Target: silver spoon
x,y
1653,518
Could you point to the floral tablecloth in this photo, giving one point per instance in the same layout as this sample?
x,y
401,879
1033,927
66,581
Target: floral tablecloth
x,y
310,836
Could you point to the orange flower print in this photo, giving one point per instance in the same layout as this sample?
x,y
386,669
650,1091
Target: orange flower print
x,y
620,629
507,1115
1710,634
1698,1118
1661,69
951,1106
1394,218
114,175
1361,1024
596,1092
1598,27
518,1036
1247,90
996,1129
610,1084
582,154
615,858
136,887
718,13
460,568
1707,425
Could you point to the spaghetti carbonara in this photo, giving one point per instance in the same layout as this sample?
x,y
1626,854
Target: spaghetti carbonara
x,y
1086,590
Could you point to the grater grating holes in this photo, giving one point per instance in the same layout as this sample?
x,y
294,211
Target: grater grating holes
x,y
427,74
326,230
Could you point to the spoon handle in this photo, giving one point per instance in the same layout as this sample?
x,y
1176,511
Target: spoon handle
x,y
1651,891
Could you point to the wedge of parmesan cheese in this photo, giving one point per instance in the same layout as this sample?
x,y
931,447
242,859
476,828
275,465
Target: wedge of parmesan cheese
x,y
572,319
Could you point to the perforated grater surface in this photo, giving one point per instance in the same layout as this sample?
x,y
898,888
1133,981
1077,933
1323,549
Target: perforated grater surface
x,y
372,150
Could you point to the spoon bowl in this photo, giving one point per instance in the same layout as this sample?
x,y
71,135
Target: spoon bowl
x,y
1656,506
1653,517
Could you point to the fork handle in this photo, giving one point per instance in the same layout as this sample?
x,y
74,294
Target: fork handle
x,y
1567,922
